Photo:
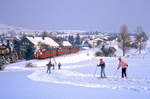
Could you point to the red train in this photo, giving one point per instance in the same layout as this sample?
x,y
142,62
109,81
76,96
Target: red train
x,y
43,53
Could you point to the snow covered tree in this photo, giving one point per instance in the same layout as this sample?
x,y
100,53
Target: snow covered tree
x,y
124,39
141,38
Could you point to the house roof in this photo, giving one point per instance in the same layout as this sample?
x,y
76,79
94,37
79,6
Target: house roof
x,y
66,43
47,40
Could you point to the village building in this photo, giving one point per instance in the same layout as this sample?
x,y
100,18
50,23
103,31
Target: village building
x,y
38,42
66,44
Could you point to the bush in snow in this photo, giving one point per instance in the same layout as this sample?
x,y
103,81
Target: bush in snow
x,y
106,52
29,65
2,67
112,51
98,53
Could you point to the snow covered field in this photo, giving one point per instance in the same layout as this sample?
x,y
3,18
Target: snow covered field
x,y
78,79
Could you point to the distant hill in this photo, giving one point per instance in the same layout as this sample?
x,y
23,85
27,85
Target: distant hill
x,y
10,28
7,29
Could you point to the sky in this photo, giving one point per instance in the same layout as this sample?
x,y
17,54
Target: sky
x,y
89,15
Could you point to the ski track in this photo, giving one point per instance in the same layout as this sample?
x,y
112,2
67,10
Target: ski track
x,y
69,76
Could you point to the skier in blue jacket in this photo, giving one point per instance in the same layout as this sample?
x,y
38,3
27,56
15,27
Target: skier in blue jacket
x,y
49,65
102,65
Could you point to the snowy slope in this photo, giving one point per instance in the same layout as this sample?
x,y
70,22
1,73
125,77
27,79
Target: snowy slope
x,y
78,78
72,75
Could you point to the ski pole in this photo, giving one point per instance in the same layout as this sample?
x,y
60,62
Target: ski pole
x,y
54,60
115,72
95,71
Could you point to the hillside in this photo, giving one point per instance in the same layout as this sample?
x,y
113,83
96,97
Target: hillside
x,y
17,29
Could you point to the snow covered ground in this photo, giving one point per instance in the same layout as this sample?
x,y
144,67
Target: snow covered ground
x,y
78,79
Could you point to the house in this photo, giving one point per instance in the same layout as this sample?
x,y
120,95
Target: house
x,y
36,41
66,44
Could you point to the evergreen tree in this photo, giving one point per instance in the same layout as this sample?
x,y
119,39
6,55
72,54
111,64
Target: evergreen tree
x,y
8,43
16,44
29,52
78,40
71,39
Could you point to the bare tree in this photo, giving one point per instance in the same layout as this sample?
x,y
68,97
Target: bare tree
x,y
141,38
124,39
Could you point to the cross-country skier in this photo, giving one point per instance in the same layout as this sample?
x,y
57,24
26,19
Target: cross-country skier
x,y
49,65
102,65
124,67
59,66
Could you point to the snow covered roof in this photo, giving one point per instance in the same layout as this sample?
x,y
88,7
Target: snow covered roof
x,y
66,43
98,39
47,40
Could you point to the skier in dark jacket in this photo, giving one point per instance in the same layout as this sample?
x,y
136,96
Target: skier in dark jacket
x,y
49,65
102,65
59,66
